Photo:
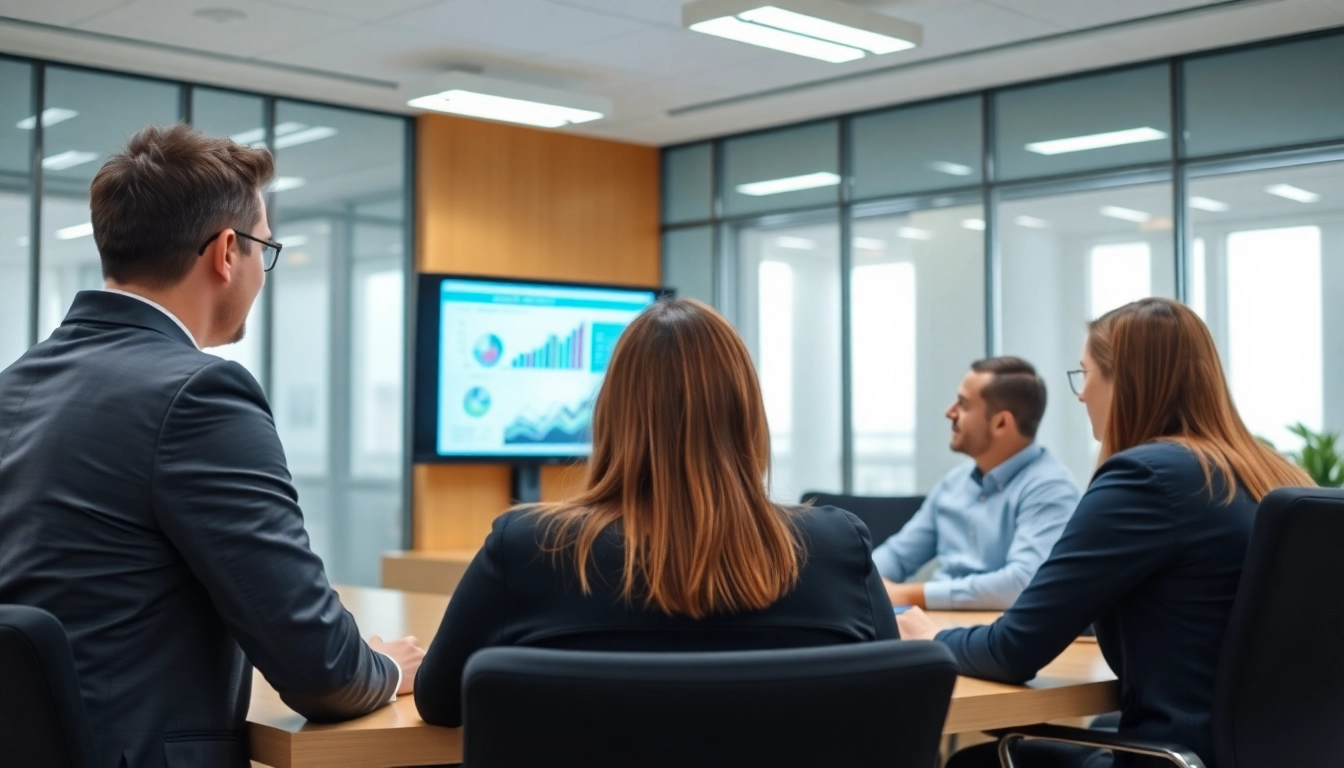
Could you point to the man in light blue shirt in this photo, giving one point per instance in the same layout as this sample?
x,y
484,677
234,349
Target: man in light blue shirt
x,y
992,521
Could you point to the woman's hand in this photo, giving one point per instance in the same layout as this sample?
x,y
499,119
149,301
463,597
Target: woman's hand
x,y
915,624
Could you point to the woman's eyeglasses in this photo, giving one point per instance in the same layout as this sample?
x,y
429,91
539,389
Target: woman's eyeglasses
x,y
1076,380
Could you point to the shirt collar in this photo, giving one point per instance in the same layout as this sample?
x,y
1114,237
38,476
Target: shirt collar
x,y
159,307
999,477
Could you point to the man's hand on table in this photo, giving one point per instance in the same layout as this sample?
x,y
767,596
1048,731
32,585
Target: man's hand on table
x,y
915,624
406,653
905,594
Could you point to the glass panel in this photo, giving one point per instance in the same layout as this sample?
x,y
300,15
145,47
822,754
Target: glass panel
x,y
688,262
378,348
917,322
241,117
16,178
935,146
1065,260
1264,263
688,183
789,310
782,169
101,112
1100,121
1277,95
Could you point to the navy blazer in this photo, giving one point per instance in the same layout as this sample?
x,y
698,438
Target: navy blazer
x,y
514,593
145,501
1153,555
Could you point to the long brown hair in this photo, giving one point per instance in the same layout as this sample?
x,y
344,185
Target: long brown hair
x,y
1169,385
681,451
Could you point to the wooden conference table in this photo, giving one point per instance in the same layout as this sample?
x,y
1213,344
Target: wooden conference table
x,y
1076,684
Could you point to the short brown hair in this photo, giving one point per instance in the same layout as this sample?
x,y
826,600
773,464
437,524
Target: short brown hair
x,y
1016,389
158,199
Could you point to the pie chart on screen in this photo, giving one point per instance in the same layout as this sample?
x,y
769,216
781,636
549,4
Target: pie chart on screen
x,y
477,402
488,350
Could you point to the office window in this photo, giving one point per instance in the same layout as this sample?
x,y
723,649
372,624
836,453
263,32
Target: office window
x,y
789,168
917,321
1088,123
788,281
688,262
101,112
916,149
1262,97
16,179
337,327
688,183
241,117
1270,249
1067,259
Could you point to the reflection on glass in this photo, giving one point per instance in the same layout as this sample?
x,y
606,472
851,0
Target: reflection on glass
x,y
1065,259
787,168
15,185
688,262
378,297
688,183
916,149
917,322
789,315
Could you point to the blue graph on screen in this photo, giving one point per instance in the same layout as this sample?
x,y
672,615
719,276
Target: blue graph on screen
x,y
561,424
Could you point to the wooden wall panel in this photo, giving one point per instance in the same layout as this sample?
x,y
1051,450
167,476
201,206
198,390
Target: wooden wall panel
x,y
500,200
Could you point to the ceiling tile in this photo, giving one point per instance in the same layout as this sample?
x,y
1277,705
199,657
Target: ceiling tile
x,y
662,52
532,25
362,10
62,12
663,12
172,22
1072,14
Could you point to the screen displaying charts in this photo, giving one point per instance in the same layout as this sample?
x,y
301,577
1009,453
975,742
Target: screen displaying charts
x,y
520,364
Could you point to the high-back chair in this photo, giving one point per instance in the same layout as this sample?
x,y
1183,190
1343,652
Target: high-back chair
x,y
43,722
884,515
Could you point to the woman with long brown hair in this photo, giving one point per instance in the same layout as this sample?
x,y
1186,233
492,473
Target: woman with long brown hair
x,y
1154,552
674,543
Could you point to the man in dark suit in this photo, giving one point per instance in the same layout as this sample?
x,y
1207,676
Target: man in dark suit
x,y
144,495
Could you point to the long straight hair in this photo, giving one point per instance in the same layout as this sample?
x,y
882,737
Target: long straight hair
x,y
681,452
1169,385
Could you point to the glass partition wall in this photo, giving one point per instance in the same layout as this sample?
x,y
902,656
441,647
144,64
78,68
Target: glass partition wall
x,y
327,335
869,259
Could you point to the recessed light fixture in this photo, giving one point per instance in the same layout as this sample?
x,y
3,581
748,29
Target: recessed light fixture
x,y
286,183
828,30
788,184
1031,222
1125,214
50,117
68,159
75,232
1096,141
951,169
796,243
870,243
975,224
1290,192
489,98
1208,204
914,233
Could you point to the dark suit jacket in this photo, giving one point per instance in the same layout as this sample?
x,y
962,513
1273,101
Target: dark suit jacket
x,y
513,593
1154,558
145,501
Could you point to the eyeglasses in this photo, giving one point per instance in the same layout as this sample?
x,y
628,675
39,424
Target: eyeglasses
x,y
270,252
1077,379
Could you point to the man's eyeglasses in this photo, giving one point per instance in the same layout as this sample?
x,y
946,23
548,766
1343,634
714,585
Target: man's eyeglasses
x,y
270,252
1076,380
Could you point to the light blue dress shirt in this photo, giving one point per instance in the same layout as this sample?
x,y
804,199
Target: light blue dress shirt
x,y
990,532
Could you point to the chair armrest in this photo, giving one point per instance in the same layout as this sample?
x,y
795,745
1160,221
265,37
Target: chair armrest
x,y
1174,753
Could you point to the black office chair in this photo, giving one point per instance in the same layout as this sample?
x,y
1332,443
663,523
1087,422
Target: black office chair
x,y
884,515
862,704
1279,695
43,723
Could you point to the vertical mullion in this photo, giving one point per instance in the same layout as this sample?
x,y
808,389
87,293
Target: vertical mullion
x,y
1180,211
408,342
38,98
268,308
340,322
185,94
846,314
989,200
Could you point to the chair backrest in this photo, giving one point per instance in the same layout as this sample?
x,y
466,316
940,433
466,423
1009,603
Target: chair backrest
x,y
862,704
884,515
1280,691
43,723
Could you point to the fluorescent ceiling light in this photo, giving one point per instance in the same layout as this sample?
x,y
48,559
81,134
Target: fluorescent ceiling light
x,y
77,231
1031,222
1208,204
789,184
828,30
1096,141
975,224
951,169
796,243
290,132
285,183
489,98
870,243
914,233
1125,214
1293,193
304,136
68,159
50,117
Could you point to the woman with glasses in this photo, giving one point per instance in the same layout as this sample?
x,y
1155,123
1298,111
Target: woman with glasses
x,y
674,545
1154,552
